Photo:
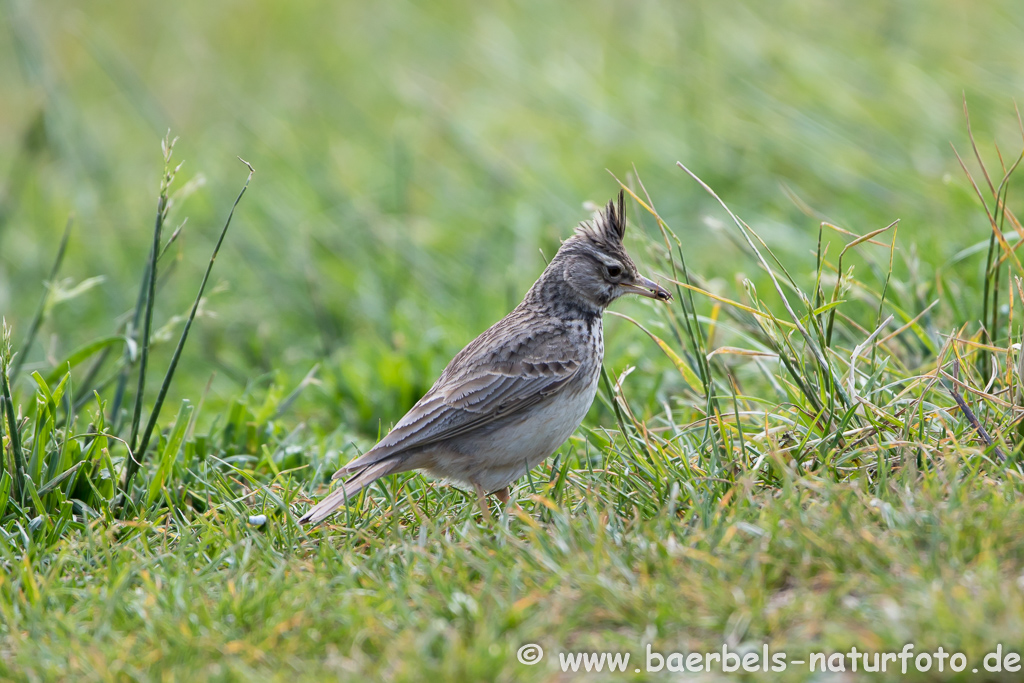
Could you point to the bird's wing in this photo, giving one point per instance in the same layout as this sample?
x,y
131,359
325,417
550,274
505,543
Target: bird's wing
x,y
478,387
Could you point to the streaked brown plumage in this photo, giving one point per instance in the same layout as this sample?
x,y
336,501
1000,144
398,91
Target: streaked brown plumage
x,y
520,389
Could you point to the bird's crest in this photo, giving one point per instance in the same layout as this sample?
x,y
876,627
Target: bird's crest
x,y
607,227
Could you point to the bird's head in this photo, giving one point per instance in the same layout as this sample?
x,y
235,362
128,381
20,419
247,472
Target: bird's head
x,y
594,263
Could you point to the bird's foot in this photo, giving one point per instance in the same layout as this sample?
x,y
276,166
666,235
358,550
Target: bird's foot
x,y
482,499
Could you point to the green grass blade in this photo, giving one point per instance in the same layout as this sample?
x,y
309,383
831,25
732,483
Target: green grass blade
x,y
170,452
6,482
13,433
37,318
147,324
140,454
81,354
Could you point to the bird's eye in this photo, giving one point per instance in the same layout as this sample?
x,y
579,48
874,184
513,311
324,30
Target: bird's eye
x,y
614,271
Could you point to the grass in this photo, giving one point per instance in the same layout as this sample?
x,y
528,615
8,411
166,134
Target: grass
x,y
808,478
816,447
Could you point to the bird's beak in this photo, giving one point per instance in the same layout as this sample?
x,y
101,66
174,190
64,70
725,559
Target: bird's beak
x,y
648,288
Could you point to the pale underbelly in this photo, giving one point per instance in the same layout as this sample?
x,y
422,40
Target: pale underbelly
x,y
497,456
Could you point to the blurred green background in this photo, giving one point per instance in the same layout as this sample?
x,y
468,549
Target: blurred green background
x,y
413,159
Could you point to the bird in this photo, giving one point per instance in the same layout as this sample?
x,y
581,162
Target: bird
x,y
518,391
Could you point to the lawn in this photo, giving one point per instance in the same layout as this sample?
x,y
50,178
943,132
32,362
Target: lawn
x,y
815,448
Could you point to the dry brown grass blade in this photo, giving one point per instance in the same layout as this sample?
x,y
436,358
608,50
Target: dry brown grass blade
x,y
859,238
991,219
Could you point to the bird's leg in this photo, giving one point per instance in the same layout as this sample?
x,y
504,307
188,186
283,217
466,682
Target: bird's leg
x,y
502,495
482,499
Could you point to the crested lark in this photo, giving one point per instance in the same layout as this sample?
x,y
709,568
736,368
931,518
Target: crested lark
x,y
516,392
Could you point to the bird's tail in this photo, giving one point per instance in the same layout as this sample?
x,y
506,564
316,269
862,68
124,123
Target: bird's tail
x,y
348,490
